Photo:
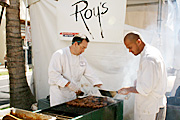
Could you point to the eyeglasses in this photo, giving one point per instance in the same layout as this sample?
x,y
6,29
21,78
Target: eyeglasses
x,y
77,42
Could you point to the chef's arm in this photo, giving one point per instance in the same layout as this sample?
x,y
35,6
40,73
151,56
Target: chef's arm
x,y
72,87
125,91
133,89
91,76
55,71
67,84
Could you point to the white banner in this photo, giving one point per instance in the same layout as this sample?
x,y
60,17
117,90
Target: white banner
x,y
100,20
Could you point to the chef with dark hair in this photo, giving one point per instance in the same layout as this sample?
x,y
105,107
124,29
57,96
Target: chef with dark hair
x,y
66,68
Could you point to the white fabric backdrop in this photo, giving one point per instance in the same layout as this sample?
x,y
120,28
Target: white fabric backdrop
x,y
109,58
43,28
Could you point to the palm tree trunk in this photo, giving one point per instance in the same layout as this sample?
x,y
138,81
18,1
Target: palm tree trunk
x,y
20,93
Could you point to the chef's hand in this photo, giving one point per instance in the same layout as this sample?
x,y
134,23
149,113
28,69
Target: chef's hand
x,y
98,85
123,91
79,93
73,87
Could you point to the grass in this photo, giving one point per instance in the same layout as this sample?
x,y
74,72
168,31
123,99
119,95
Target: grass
x,y
5,108
6,72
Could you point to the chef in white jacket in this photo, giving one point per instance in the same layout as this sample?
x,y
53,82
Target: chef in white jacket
x,y
176,66
66,68
150,88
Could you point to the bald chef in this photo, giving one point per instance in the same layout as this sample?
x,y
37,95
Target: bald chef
x,y
151,84
66,68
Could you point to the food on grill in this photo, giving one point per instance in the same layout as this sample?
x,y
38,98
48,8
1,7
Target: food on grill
x,y
90,101
10,117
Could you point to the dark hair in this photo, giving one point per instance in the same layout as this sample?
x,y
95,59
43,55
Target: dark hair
x,y
79,38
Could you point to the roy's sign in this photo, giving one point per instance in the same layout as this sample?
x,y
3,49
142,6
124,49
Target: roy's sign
x,y
100,20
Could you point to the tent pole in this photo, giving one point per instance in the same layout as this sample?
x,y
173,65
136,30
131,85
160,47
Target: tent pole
x,y
25,42
1,14
159,16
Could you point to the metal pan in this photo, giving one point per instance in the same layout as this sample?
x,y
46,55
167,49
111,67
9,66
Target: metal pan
x,y
108,93
112,94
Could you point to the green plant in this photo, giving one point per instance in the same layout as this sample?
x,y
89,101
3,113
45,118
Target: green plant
x,y
4,73
5,108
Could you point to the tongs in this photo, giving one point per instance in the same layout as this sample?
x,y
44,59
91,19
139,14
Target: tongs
x,y
112,93
81,94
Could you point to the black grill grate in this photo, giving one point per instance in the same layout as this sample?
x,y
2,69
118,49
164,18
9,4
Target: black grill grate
x,y
72,111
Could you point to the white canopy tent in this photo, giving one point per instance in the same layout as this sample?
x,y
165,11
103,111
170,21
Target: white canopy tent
x,y
108,57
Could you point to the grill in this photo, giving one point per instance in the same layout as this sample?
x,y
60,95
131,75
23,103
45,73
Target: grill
x,y
113,111
22,114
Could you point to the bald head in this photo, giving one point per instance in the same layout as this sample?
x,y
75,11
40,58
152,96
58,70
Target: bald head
x,y
134,43
132,37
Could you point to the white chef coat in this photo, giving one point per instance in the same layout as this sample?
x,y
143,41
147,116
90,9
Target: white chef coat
x,y
176,83
151,83
65,67
177,56
177,67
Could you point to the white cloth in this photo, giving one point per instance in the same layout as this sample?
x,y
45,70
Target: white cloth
x,y
177,67
151,82
176,83
177,56
144,116
65,67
